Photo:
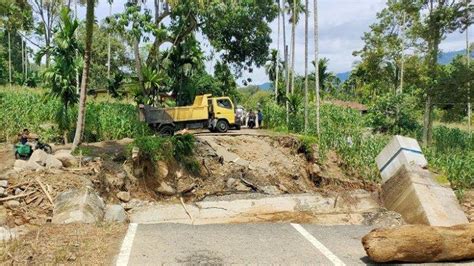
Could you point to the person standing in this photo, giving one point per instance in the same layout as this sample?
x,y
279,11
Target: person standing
x,y
260,118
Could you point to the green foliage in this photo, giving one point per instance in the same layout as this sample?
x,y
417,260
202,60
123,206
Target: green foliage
x,y
60,77
26,108
393,114
179,148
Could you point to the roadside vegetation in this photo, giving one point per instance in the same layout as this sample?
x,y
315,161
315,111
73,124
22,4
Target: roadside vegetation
x,y
143,55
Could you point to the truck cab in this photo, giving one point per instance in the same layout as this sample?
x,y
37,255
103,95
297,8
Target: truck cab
x,y
221,114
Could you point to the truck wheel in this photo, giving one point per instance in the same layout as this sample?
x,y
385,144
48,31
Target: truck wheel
x,y
167,130
222,126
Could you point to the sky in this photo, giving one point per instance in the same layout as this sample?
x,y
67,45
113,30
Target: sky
x,y
341,25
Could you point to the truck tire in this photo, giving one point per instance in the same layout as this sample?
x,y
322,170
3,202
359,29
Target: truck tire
x,y
167,130
222,126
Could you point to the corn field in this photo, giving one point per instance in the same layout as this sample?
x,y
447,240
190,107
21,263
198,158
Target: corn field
x,y
26,108
349,134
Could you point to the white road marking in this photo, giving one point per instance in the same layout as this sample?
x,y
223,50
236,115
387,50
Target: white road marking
x,y
326,252
127,243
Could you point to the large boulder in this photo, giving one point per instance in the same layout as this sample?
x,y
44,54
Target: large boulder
x,y
66,158
21,165
420,243
78,206
115,213
44,159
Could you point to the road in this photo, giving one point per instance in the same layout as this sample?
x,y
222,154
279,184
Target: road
x,y
147,244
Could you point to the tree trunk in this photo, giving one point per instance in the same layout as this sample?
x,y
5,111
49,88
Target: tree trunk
x,y
468,58
420,243
138,63
9,59
108,46
402,63
277,67
306,67
287,79
293,48
316,64
85,75
77,53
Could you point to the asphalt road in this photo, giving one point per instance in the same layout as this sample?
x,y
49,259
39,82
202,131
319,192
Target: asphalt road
x,y
152,244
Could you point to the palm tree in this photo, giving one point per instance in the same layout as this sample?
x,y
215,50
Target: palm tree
x,y
316,72
59,77
278,56
285,54
306,67
293,42
108,44
468,58
85,75
273,65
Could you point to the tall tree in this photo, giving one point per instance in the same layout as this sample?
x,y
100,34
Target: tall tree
x,y
316,65
437,19
287,70
306,17
293,45
85,75
277,79
468,59
47,12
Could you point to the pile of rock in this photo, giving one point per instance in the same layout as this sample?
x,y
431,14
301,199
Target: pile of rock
x,y
41,160
85,206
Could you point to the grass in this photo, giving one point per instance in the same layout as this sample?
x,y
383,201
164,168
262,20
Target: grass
x,y
345,131
30,108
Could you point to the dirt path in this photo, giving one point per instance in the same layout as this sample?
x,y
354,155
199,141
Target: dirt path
x,y
7,157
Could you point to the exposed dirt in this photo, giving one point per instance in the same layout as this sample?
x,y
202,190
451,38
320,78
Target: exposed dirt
x,y
467,204
65,244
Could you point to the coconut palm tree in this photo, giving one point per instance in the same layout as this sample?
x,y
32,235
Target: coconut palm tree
x,y
306,66
85,75
278,56
316,56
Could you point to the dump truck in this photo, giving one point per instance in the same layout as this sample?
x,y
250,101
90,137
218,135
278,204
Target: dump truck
x,y
216,113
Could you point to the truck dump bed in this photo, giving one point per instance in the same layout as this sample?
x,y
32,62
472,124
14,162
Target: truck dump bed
x,y
196,112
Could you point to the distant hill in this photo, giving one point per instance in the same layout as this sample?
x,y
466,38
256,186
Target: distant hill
x,y
343,76
266,86
444,59
447,57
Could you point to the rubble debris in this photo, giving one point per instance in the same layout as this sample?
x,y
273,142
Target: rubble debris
x,y
66,158
115,213
78,206
123,196
420,243
383,218
46,160
166,189
11,204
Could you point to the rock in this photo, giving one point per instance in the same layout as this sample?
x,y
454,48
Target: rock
x,y
78,206
420,243
3,192
162,169
66,158
39,157
3,215
115,213
166,189
4,183
383,219
19,221
52,162
18,191
21,165
282,188
241,187
47,160
4,177
230,183
271,190
185,189
124,196
12,204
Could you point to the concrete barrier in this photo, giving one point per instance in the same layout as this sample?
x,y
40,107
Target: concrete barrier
x,y
409,189
400,151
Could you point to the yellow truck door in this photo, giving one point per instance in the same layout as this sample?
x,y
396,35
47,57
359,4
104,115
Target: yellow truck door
x,y
224,109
